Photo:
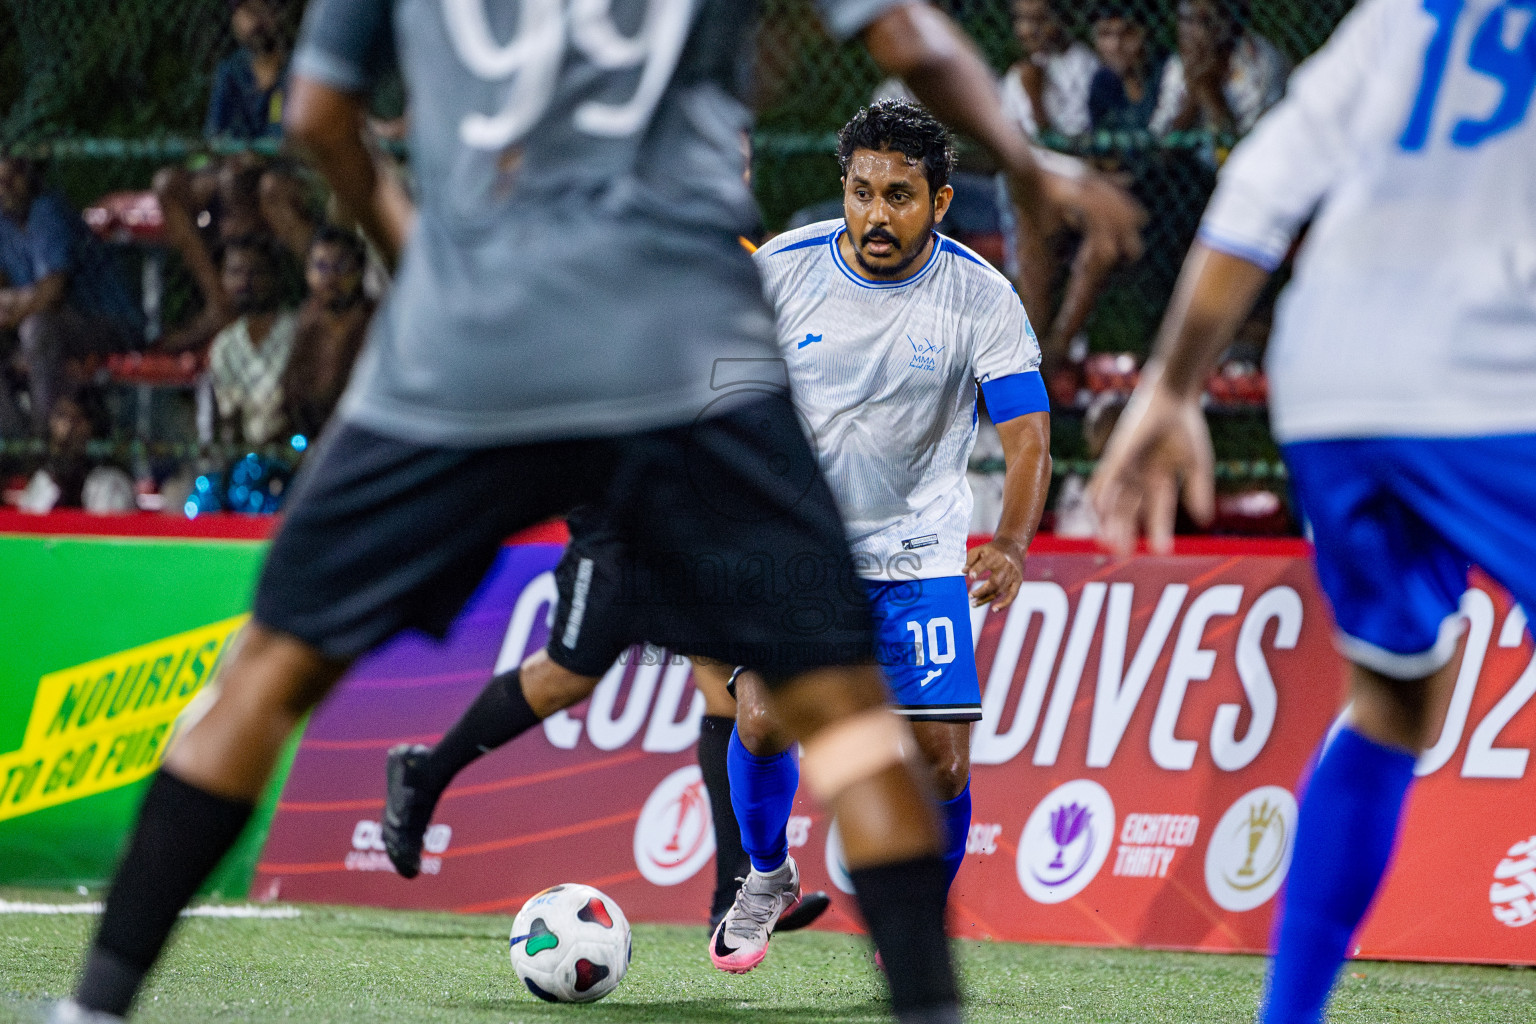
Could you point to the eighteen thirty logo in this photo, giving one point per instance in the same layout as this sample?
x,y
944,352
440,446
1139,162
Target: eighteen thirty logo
x,y
1250,850
674,837
1513,892
1065,841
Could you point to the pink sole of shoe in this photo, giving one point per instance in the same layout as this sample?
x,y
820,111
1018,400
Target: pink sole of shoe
x,y
737,963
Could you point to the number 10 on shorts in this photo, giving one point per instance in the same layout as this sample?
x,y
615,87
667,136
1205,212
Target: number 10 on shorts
x,y
941,640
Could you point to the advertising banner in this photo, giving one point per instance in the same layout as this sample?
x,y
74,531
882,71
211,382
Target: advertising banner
x,y
1135,783
106,642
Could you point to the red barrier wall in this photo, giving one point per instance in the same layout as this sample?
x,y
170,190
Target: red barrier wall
x,y
1147,723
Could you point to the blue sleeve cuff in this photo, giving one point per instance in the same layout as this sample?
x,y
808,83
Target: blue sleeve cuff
x,y
1016,395
1266,261
330,70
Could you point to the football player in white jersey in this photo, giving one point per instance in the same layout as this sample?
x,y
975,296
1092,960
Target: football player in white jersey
x,y
886,329
1403,370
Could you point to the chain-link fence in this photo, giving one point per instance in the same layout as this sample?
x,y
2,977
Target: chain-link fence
x,y
115,89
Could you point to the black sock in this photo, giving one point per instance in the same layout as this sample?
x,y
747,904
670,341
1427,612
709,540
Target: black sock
x,y
182,834
499,715
730,859
903,906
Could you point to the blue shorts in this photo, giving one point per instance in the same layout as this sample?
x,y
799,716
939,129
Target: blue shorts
x,y
1397,522
923,642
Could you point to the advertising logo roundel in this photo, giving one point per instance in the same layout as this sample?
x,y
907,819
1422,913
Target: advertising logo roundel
x,y
1065,841
1250,850
675,837
1513,892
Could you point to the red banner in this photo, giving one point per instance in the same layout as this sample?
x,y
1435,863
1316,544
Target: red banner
x,y
1146,725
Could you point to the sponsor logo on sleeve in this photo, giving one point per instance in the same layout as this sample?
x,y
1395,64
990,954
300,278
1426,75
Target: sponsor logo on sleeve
x,y
1065,841
1250,849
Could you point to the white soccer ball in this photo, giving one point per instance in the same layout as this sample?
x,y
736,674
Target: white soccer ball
x,y
571,944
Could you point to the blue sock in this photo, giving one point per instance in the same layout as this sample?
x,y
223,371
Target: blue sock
x,y
1348,826
957,827
762,793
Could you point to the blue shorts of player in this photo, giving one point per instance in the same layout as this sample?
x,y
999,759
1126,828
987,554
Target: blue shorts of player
x,y
1398,521
923,643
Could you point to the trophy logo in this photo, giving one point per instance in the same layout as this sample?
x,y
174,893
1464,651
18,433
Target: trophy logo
x,y
1065,841
1250,849
1260,818
1067,823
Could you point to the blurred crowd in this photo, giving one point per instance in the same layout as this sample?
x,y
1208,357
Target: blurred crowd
x,y
283,296
283,301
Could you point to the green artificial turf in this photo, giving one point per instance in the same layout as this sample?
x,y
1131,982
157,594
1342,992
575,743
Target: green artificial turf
x,y
335,964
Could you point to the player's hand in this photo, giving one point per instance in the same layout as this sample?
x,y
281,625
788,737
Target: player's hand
x,y
994,571
1162,446
1108,216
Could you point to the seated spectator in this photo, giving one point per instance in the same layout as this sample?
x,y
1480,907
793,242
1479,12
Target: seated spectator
x,y
62,293
333,323
239,195
249,356
69,477
1224,77
1047,91
1089,261
1123,94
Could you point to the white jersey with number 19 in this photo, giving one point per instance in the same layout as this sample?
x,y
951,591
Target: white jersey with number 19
x,y
1413,308
885,374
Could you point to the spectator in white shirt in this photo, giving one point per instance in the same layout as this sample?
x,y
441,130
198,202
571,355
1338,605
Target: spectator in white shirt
x,y
249,356
1224,77
1047,91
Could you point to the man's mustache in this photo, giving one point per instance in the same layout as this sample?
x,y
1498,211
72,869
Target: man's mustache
x,y
880,235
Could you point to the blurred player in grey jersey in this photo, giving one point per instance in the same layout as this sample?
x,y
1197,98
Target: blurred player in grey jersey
x,y
569,278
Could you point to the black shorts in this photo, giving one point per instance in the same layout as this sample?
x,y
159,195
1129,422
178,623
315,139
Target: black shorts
x,y
593,625
727,541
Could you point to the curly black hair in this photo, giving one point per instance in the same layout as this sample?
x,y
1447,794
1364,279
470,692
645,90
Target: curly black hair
x,y
906,128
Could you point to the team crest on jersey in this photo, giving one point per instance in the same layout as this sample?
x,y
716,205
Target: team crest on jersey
x,y
925,354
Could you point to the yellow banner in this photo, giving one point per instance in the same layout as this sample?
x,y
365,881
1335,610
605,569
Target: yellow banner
x,y
107,723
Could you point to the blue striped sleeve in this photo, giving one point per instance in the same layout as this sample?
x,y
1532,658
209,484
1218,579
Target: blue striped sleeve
x,y
1015,395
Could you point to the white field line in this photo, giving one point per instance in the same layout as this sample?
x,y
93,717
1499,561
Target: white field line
x,y
243,910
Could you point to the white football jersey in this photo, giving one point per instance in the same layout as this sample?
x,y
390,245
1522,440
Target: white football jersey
x,y
1413,307
885,376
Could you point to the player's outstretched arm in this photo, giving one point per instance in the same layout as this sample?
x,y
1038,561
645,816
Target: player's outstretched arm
x,y
329,126
995,569
924,48
1162,446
